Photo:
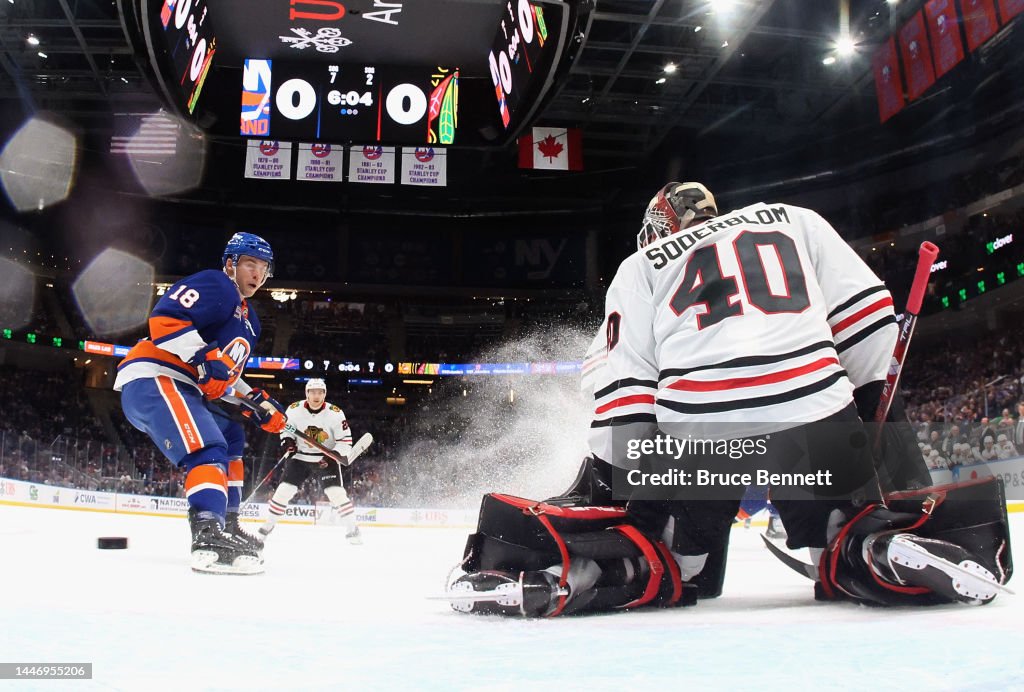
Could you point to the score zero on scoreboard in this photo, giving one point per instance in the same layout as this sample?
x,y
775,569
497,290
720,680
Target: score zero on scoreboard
x,y
515,52
365,103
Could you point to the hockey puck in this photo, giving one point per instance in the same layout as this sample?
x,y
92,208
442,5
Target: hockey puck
x,y
112,543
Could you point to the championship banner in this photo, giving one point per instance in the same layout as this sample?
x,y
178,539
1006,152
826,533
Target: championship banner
x,y
427,166
371,164
888,87
917,58
1010,9
980,21
947,46
318,161
268,159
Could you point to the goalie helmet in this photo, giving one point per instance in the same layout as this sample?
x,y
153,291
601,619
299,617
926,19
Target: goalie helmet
x,y
316,383
675,207
251,245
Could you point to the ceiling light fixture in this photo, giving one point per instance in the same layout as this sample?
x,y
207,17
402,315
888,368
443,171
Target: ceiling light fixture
x,y
830,60
725,44
32,40
660,80
43,55
845,46
670,68
697,28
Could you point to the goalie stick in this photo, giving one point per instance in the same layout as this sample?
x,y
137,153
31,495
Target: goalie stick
x,y
925,259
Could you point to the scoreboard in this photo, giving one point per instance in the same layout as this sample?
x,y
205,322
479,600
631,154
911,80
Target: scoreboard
x,y
339,102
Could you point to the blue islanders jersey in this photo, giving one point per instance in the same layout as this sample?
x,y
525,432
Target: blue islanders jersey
x,y
194,312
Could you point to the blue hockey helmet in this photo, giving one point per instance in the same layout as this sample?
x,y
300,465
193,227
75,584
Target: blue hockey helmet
x,y
251,245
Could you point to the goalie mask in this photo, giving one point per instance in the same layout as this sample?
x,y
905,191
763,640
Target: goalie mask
x,y
675,207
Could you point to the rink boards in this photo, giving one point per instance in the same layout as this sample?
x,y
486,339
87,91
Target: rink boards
x,y
26,494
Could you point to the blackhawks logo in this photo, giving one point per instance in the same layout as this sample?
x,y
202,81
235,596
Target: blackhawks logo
x,y
317,434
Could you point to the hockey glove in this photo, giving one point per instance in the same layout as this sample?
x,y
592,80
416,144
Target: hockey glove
x,y
267,412
288,446
213,370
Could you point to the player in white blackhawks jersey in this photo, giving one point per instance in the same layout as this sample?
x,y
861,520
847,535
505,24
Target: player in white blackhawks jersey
x,y
326,423
762,333
758,324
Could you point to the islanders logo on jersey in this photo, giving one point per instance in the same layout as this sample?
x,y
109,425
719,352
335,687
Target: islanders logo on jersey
x,y
237,351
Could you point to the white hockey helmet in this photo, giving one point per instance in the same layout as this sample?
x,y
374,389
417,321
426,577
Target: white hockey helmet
x,y
675,207
316,383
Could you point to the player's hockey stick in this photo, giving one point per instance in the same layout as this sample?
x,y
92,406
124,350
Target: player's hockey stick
x,y
266,478
925,259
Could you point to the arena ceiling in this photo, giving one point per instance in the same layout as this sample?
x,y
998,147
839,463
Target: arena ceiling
x,y
752,76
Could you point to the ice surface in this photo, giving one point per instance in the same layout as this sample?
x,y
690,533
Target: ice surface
x,y
327,615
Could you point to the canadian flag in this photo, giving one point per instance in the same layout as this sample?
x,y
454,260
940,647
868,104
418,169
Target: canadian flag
x,y
552,148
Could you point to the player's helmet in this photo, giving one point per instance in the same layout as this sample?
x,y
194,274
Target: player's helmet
x,y
251,245
676,206
316,383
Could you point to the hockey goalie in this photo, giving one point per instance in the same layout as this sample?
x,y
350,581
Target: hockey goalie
x,y
759,327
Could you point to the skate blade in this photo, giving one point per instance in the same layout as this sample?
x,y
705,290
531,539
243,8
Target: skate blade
x,y
205,562
354,540
968,578
463,597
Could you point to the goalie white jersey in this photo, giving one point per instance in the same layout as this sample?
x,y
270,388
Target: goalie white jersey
x,y
328,426
751,322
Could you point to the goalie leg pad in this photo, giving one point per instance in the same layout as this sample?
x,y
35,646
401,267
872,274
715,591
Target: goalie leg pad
x,y
950,544
597,562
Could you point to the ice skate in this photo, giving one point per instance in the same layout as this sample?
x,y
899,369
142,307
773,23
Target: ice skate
x,y
233,526
217,552
943,567
354,537
530,594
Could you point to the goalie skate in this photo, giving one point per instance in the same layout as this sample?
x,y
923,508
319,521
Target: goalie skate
x,y
217,552
529,594
940,566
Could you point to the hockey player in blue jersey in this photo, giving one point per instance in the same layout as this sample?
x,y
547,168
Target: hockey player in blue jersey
x,y
201,333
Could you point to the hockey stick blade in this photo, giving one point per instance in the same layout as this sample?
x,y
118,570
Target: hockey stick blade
x,y
359,447
805,569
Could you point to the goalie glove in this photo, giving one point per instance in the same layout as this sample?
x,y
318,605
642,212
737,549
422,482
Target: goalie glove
x,y
213,370
267,412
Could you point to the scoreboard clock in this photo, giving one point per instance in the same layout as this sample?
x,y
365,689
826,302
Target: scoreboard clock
x,y
339,102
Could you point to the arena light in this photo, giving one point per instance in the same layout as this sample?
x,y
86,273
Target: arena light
x,y
32,40
829,60
845,46
670,68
